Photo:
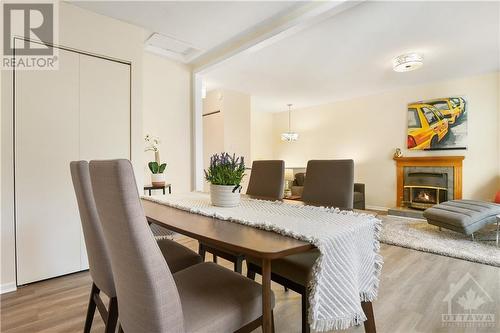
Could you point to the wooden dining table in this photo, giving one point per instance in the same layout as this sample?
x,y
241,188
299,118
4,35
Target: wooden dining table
x,y
234,237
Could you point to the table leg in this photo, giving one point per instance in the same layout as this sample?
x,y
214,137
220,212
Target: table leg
x,y
370,321
150,192
498,227
170,189
266,296
164,191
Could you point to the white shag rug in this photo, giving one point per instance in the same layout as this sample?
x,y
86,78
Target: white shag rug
x,y
419,235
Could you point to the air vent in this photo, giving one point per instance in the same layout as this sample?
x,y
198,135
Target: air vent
x,y
171,47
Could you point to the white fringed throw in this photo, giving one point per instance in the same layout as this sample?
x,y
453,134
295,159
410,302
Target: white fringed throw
x,y
348,268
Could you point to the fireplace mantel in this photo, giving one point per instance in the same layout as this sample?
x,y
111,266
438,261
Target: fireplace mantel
x,y
431,161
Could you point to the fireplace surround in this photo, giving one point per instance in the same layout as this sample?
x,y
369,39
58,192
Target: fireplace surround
x,y
425,181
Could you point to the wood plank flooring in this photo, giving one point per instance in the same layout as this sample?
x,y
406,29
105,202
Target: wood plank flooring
x,y
412,289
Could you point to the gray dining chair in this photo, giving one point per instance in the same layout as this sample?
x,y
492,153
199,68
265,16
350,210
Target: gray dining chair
x,y
267,181
329,183
177,256
202,298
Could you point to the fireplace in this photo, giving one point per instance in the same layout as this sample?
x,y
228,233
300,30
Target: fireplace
x,y
425,189
423,181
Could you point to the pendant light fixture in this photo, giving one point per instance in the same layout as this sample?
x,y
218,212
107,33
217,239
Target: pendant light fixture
x,y
289,136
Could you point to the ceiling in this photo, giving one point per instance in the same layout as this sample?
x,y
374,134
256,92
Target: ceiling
x,y
350,54
202,24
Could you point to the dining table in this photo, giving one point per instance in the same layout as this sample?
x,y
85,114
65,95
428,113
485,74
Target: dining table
x,y
246,240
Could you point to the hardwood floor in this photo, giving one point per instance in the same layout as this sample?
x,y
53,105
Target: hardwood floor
x,y
412,290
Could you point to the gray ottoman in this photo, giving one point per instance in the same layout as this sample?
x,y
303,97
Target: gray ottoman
x,y
465,216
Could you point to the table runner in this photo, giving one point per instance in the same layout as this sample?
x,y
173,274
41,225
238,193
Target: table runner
x,y
348,268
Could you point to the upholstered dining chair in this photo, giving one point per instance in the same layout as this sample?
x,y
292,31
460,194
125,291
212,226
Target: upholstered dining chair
x,y
202,298
329,183
177,256
267,181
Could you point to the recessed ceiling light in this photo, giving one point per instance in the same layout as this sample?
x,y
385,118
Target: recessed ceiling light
x,y
407,62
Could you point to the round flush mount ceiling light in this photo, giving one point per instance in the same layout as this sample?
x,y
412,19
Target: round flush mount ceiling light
x,y
407,62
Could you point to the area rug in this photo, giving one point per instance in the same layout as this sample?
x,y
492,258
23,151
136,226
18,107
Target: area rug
x,y
419,235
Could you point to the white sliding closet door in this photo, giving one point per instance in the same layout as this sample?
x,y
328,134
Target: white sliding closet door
x,y
47,228
81,111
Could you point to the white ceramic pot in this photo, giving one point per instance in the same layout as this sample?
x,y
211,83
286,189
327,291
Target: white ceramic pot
x,y
158,179
223,195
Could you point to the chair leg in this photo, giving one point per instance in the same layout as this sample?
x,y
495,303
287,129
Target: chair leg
x,y
498,228
112,316
305,311
202,252
272,322
215,258
286,288
91,309
238,264
370,321
473,238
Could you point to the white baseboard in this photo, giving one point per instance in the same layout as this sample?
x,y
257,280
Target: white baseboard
x,y
7,287
379,208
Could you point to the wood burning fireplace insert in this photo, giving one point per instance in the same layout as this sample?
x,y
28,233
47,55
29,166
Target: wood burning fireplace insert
x,y
422,190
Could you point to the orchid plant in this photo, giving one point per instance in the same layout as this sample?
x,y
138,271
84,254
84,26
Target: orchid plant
x,y
152,143
155,168
225,169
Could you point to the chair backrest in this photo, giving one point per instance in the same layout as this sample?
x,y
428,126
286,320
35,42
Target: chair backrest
x,y
97,253
147,294
329,183
267,179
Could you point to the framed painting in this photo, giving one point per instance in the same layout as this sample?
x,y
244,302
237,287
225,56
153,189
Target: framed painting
x,y
438,124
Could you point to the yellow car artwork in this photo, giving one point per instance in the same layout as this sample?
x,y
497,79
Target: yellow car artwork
x,y
427,126
449,109
460,102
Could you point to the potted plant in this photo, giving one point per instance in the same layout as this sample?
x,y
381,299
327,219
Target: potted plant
x,y
224,175
157,175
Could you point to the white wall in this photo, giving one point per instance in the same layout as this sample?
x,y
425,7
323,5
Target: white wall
x,y
84,30
228,130
368,129
236,110
166,114
213,128
7,282
261,131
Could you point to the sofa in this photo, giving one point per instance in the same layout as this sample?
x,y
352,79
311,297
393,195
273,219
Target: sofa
x,y
359,190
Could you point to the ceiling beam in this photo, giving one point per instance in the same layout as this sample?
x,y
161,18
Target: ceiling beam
x,y
270,31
